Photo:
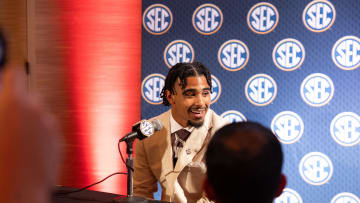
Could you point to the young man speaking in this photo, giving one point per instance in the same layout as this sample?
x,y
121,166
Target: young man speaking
x,y
174,156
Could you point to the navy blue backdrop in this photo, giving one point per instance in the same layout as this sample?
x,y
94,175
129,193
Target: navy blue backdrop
x,y
290,65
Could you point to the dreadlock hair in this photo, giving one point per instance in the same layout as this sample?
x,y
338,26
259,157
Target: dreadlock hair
x,y
183,71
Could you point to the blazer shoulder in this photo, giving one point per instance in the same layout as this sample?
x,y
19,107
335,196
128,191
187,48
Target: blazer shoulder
x,y
164,117
218,121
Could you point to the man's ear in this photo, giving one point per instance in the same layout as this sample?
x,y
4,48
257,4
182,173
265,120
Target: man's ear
x,y
169,97
281,185
208,189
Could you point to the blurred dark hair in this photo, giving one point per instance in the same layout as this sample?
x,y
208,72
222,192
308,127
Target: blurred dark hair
x,y
244,162
182,71
2,50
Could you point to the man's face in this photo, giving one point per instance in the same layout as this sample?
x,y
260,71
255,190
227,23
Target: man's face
x,y
189,105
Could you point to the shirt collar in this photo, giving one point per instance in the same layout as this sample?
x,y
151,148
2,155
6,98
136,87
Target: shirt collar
x,y
175,126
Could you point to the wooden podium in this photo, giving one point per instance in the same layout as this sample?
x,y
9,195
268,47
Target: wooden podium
x,y
89,196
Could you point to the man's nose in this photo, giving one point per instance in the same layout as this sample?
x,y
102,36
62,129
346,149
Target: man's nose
x,y
200,100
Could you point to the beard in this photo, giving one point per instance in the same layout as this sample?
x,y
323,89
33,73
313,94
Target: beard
x,y
196,124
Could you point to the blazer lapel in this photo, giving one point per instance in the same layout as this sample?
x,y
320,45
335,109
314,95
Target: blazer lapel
x,y
167,166
166,156
193,144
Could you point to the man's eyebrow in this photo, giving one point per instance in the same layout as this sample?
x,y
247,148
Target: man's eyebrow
x,y
195,90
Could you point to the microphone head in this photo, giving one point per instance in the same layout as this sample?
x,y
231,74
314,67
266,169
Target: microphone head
x,y
157,125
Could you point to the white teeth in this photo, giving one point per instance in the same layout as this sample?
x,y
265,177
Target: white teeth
x,y
197,111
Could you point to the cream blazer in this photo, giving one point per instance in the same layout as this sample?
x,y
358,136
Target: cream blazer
x,y
153,162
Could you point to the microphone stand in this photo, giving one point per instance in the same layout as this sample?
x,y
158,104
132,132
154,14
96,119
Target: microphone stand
x,y
129,166
129,139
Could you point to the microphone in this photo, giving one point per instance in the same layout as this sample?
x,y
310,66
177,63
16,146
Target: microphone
x,y
143,129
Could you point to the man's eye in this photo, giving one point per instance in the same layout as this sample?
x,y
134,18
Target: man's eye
x,y
189,94
206,93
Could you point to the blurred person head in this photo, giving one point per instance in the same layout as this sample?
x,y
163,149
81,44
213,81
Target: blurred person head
x,y
187,90
244,162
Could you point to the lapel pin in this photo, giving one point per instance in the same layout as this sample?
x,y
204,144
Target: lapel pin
x,y
188,151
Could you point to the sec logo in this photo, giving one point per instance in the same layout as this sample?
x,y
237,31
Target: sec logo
x,y
345,129
260,90
316,168
233,55
288,127
345,197
233,116
262,18
216,89
319,15
207,19
288,54
151,88
178,51
317,89
346,53
289,196
157,19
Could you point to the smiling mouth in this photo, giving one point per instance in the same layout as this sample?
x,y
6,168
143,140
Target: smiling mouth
x,y
198,113
197,116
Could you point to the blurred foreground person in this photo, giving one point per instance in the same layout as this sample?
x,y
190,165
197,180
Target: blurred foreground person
x,y
244,162
28,144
